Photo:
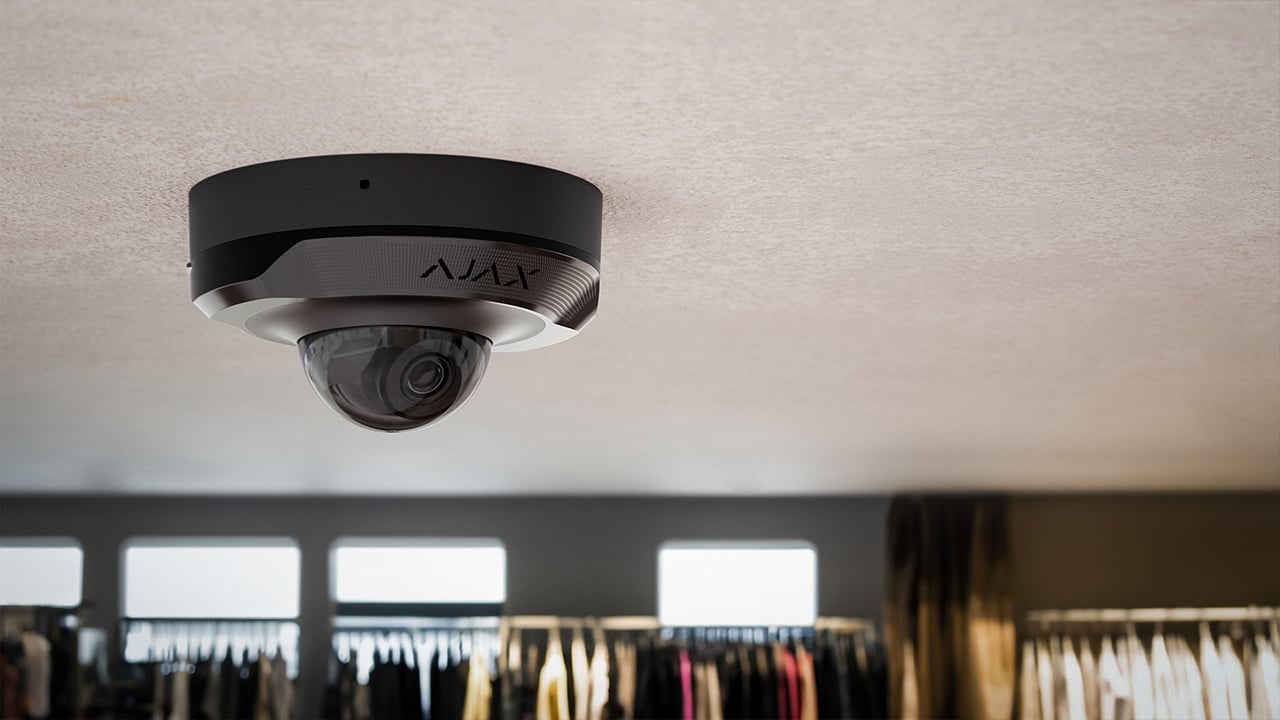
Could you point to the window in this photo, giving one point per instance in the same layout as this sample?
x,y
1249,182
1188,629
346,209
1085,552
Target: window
x,y
435,571
41,571
211,578
738,583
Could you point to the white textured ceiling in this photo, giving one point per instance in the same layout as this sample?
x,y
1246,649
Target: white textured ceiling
x,y
848,247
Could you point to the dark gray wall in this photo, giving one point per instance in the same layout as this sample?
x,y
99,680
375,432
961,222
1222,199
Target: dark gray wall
x,y
594,556
1123,551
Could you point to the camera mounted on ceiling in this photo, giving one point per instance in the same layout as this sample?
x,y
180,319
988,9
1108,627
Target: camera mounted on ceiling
x,y
397,274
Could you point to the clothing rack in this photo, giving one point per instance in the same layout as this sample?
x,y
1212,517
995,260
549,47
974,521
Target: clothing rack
x,y
649,622
1072,660
513,664
161,639
1155,615
409,624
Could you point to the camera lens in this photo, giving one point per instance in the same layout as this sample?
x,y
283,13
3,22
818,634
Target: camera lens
x,y
425,376
395,377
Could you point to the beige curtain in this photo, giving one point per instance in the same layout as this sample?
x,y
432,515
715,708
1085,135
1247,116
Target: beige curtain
x,y
948,614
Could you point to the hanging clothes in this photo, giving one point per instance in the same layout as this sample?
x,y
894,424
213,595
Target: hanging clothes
x,y
281,690
808,685
1073,683
1047,683
1237,699
1213,673
479,696
205,706
1194,688
1115,696
581,676
37,657
686,686
1265,679
158,696
553,694
1029,702
625,662
180,705
598,679
1089,676
1171,682
1140,680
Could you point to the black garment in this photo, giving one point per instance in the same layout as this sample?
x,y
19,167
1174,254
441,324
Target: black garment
x,y
644,680
384,692
339,694
877,679
247,692
448,688
528,692
671,690
829,681
410,690
198,688
229,703
730,684
437,709
62,677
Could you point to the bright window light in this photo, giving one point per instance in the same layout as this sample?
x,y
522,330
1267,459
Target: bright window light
x,y
746,584
373,570
40,571
211,578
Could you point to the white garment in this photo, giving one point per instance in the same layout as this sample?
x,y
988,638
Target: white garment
x,y
1162,680
1264,681
1028,691
36,652
1144,705
1089,673
599,671
1059,680
1114,698
1193,700
1073,683
1044,669
581,676
1237,700
1122,656
1214,676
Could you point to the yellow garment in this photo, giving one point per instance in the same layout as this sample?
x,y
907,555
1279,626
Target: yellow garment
x,y
553,691
476,705
625,655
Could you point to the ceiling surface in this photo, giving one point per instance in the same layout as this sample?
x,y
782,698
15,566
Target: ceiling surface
x,y
848,247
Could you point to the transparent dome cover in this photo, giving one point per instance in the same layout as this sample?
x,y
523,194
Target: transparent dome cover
x,y
394,377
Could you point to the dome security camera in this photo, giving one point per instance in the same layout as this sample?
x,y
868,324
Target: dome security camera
x,y
396,274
